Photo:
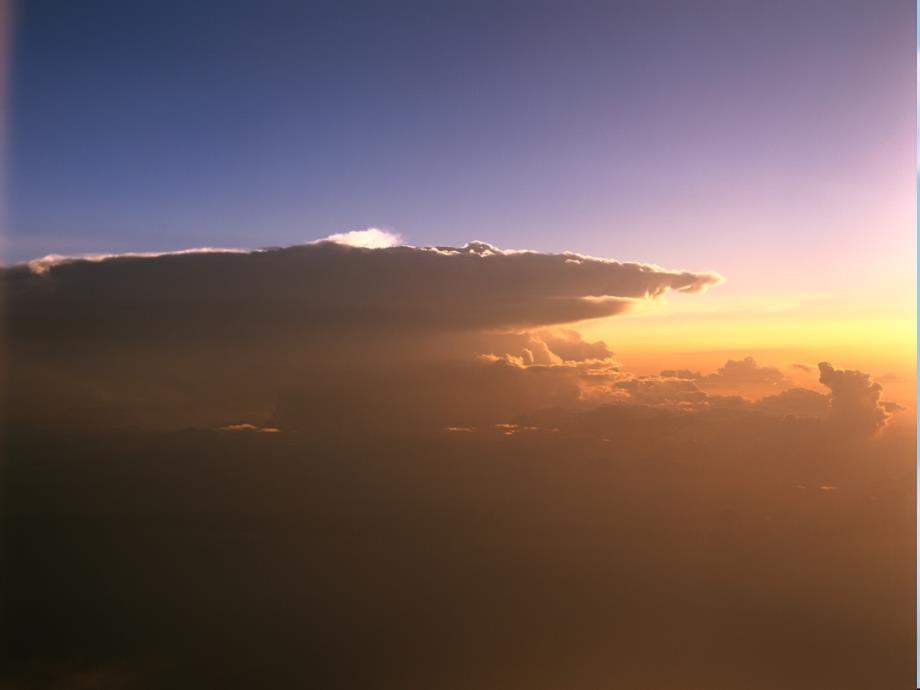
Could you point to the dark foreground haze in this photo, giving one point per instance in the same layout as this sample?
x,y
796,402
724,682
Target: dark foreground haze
x,y
333,467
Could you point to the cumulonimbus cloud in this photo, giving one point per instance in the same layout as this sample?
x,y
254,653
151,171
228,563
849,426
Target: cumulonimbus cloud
x,y
319,333
215,336
335,284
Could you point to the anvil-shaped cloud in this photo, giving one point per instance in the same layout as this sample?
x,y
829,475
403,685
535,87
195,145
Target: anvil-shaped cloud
x,y
205,334
336,283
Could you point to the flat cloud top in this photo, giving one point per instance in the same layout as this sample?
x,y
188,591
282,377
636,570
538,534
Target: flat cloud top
x,y
45,263
334,282
219,335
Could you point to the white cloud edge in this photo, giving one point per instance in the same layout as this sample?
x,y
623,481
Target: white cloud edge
x,y
45,263
371,238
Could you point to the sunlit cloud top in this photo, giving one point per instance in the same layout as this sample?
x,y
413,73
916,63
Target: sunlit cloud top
x,y
372,238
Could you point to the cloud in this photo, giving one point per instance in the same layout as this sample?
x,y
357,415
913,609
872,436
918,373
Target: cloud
x,y
734,374
333,336
801,402
396,441
337,285
852,408
46,263
744,373
496,527
372,238
669,392
743,377
855,401
548,348
207,337
495,389
569,346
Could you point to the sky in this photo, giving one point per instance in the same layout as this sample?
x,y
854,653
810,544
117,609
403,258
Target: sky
x,y
571,335
771,142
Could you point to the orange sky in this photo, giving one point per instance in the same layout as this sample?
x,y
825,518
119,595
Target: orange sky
x,y
703,331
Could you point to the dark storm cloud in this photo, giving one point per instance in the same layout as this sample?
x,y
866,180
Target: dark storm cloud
x,y
334,285
214,337
333,337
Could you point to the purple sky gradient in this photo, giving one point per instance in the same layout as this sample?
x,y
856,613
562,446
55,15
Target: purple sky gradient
x,y
772,142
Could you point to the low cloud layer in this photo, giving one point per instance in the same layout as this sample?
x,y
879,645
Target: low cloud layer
x,y
852,407
369,451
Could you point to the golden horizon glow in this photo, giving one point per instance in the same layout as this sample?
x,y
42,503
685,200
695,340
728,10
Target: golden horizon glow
x,y
782,331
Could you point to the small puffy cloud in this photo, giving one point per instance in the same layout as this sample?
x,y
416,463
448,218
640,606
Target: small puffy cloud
x,y
569,346
745,374
548,348
372,238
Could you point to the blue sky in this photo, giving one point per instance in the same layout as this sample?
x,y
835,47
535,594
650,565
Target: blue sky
x,y
708,136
